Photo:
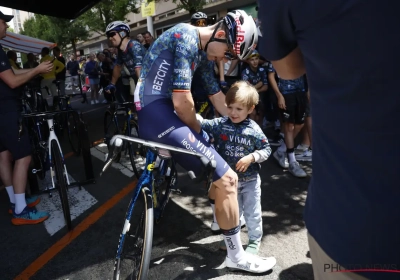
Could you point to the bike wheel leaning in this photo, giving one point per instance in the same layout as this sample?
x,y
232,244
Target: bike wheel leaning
x,y
134,248
73,132
110,129
61,183
134,150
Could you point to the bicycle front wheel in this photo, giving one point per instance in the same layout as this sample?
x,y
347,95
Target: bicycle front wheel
x,y
134,248
61,183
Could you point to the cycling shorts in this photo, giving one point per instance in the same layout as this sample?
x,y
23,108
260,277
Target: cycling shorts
x,y
159,123
9,136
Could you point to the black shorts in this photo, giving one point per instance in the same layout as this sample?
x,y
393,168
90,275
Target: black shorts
x,y
296,104
9,127
308,109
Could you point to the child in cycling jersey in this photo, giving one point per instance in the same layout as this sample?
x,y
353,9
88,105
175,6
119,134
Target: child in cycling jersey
x,y
243,145
256,75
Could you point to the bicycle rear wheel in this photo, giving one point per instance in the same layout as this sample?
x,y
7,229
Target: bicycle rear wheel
x,y
61,183
134,248
73,133
110,129
135,150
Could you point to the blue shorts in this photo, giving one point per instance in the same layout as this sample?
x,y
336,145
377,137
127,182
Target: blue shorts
x,y
94,81
159,123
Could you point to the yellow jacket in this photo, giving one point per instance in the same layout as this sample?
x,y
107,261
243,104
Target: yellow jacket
x,y
57,67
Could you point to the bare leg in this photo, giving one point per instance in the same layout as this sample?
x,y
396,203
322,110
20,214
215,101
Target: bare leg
x,y
6,168
20,174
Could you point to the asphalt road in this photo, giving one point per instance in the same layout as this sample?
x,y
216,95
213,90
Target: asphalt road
x,y
183,246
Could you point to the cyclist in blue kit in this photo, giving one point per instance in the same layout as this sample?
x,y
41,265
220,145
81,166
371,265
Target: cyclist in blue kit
x,y
130,53
166,111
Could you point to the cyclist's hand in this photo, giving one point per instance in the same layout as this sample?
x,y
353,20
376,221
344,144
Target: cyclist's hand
x,y
243,163
44,67
223,84
110,88
281,102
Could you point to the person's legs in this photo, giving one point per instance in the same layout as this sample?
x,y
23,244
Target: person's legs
x,y
62,87
323,265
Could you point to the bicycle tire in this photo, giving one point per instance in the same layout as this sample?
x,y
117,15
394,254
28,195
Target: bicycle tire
x,y
61,182
145,226
110,129
73,133
133,148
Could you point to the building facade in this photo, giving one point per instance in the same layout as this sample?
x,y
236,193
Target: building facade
x,y
19,18
167,15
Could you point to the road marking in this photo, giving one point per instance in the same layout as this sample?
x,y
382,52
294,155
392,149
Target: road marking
x,y
35,266
79,200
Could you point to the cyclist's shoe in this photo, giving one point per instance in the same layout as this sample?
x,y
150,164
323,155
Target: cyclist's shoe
x,y
251,263
253,247
30,202
29,216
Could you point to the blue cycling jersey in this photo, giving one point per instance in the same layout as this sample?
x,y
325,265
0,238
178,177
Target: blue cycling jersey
x,y
132,56
255,77
289,86
170,65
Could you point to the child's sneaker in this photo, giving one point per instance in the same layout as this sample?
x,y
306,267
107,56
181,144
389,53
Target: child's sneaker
x,y
296,170
251,263
305,156
30,202
29,216
253,247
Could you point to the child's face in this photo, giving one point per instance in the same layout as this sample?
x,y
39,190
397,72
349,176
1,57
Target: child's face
x,y
254,61
238,112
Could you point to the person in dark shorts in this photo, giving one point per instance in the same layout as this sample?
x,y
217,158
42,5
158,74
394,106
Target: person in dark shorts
x,y
292,101
15,148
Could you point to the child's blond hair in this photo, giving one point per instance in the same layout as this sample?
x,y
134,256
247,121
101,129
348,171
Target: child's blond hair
x,y
243,93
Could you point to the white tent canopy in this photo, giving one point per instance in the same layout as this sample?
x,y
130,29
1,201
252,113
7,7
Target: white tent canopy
x,y
25,44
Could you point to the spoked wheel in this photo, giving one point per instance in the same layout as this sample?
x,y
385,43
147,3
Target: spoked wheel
x,y
110,129
73,133
136,151
61,183
134,248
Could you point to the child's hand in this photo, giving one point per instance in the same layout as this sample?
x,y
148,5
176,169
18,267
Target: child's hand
x,y
244,162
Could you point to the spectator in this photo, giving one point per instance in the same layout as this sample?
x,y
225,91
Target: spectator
x,y
73,72
15,149
49,78
12,57
31,63
93,70
61,75
140,39
148,38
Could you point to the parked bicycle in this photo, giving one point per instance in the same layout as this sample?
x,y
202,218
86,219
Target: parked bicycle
x,y
119,119
48,155
148,203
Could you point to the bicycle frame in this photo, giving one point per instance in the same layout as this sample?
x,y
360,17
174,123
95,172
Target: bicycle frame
x,y
53,136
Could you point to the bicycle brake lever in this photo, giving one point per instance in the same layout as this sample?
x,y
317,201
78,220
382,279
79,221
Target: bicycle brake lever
x,y
116,147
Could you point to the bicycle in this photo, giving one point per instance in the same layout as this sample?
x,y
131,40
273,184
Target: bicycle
x,y
150,199
48,155
119,119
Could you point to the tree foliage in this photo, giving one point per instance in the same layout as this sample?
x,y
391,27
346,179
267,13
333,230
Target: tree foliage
x,y
191,6
60,31
107,11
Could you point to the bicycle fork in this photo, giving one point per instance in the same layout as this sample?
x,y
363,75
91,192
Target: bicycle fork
x,y
52,137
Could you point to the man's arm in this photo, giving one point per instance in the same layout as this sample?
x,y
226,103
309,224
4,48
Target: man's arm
x,y
116,74
184,107
218,101
272,82
16,80
291,66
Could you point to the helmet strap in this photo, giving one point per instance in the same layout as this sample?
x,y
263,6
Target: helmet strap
x,y
213,39
122,38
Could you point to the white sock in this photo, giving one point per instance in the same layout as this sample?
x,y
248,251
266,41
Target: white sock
x,y
233,244
291,157
282,148
20,202
10,191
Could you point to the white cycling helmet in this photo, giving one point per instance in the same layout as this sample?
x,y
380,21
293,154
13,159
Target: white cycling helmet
x,y
118,26
198,15
242,33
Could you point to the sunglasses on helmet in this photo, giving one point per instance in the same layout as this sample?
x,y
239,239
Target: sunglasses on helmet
x,y
111,34
201,22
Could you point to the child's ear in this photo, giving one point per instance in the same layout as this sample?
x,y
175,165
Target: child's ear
x,y
251,109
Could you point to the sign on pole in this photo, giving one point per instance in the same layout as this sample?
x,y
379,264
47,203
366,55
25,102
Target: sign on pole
x,y
148,8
